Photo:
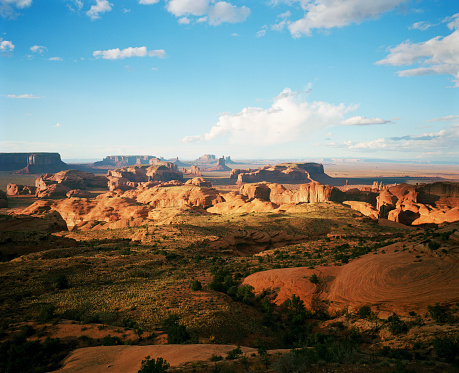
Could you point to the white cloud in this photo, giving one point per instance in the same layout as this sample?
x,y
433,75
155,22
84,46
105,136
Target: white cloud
x,y
57,125
362,121
282,122
115,54
262,32
181,8
38,49
326,14
126,10
101,6
192,139
282,21
444,140
420,26
6,46
184,21
235,34
148,2
78,5
439,55
225,12
27,95
55,59
444,119
213,13
8,7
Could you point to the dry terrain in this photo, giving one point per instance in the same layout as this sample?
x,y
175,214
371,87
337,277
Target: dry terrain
x,y
348,292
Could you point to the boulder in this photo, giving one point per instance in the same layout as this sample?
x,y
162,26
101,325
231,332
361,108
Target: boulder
x,y
199,181
78,193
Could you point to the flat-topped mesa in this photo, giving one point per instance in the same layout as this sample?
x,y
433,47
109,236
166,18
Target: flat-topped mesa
x,y
31,163
117,161
291,173
206,158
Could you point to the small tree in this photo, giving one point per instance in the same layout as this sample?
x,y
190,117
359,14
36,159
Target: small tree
x,y
154,366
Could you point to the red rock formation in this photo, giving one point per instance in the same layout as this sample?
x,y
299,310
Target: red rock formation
x,y
260,191
53,191
31,163
194,170
199,181
73,179
117,161
364,207
78,193
17,189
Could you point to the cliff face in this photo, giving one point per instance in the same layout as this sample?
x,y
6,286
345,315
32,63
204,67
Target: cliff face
x,y
31,163
118,161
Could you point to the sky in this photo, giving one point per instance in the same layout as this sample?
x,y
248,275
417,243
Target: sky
x,y
250,79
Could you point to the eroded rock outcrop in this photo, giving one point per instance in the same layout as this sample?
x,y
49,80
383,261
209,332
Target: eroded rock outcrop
x,y
131,177
20,190
117,161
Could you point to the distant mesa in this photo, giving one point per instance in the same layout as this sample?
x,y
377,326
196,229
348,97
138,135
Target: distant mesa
x,y
194,170
117,161
31,163
206,158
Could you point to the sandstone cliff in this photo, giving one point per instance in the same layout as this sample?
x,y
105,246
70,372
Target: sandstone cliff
x,y
220,166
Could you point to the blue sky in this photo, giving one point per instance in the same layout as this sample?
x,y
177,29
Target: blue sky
x,y
245,78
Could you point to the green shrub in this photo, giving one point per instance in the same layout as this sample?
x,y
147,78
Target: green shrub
x,y
196,285
176,333
397,326
46,313
61,282
440,313
448,348
234,354
364,312
314,279
153,366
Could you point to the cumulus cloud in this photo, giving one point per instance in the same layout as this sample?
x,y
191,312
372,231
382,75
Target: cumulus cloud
x,y
362,121
223,12
326,14
38,49
288,117
8,7
27,95
215,13
148,2
55,59
6,46
115,54
101,6
439,55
